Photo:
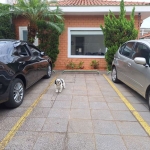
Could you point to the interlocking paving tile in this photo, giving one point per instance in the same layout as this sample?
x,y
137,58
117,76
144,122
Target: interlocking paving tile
x,y
101,114
32,124
80,98
17,112
80,126
137,142
79,92
62,104
8,122
98,105
59,113
45,103
94,93
3,133
66,97
96,98
105,127
109,142
110,93
130,128
123,116
78,141
40,112
79,104
113,99
21,143
80,114
55,125
140,107
47,97
50,141
133,99
117,106
145,116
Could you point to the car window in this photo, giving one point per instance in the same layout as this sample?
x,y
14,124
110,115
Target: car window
x,y
141,50
128,49
35,51
121,48
21,51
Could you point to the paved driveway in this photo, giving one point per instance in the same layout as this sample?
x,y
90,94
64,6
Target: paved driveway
x,y
88,115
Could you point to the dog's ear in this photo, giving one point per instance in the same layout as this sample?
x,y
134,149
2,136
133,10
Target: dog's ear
x,y
55,81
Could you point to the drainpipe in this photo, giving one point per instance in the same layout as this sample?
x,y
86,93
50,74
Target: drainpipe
x,y
139,24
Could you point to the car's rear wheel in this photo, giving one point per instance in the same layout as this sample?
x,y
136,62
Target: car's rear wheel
x,y
16,94
114,75
49,72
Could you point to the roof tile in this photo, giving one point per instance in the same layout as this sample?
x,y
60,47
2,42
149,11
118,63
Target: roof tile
x,y
98,3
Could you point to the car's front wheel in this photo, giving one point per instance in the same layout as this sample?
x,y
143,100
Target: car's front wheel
x,y
49,71
16,94
114,75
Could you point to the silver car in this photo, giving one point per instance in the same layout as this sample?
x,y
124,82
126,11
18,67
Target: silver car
x,y
131,65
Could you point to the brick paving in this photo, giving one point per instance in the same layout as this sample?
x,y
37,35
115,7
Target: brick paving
x,y
87,115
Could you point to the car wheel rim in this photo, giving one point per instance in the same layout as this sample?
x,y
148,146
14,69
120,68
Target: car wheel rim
x,y
114,74
18,92
49,71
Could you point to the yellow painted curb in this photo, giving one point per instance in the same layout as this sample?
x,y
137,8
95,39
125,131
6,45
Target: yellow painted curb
x,y
130,107
19,123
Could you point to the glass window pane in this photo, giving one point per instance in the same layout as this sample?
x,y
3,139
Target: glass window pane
x,y
25,32
87,43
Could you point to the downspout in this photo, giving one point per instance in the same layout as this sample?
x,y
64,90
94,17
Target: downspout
x,y
139,24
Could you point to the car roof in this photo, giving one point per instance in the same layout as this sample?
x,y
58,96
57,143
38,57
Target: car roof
x,y
146,41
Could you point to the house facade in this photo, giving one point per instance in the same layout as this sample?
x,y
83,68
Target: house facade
x,y
83,40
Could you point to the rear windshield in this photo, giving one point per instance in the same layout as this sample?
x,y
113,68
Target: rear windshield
x,y
6,51
6,48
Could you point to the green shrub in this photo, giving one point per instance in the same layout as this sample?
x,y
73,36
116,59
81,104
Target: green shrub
x,y
117,30
7,30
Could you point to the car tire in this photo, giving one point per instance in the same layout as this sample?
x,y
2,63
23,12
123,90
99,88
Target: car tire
x,y
148,99
16,94
114,75
49,72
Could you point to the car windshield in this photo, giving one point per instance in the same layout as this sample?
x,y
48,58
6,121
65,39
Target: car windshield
x,y
6,51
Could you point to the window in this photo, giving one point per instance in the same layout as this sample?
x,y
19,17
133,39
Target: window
x,y
21,50
23,33
141,50
35,52
86,42
128,49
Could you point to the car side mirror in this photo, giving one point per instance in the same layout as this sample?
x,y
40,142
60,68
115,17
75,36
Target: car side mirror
x,y
140,60
42,53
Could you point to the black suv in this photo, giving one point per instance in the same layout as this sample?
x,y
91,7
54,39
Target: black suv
x,y
21,65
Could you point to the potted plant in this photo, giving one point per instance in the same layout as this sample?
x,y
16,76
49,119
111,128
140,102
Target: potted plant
x,y
94,64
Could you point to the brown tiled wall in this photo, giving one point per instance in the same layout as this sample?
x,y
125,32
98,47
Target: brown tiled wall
x,y
73,21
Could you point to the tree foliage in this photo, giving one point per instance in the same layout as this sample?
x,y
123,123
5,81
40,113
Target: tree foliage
x,y
6,27
117,30
35,11
49,39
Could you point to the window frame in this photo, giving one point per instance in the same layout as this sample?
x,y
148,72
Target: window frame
x,y
24,28
69,43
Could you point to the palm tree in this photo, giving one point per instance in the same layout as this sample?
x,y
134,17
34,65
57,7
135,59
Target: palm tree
x,y
35,11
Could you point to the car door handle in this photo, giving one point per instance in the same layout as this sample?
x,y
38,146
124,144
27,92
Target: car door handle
x,y
129,64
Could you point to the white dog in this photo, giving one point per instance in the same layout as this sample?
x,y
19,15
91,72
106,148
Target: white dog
x,y
59,85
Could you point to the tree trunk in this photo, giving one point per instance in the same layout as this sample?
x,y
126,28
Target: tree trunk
x,y
32,30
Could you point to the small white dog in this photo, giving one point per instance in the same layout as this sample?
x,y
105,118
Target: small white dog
x,y
59,85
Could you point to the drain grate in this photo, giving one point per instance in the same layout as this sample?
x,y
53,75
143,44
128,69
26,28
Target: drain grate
x,y
82,71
